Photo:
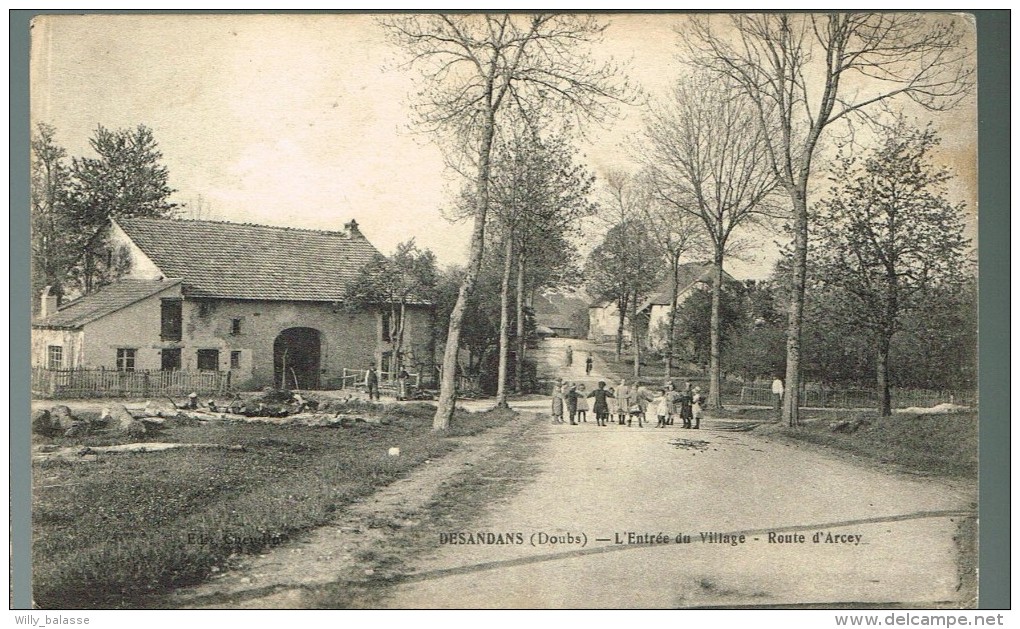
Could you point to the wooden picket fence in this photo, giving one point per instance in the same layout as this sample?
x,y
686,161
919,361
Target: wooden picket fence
x,y
87,383
761,394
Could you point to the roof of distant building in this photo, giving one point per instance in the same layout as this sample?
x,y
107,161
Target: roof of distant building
x,y
246,261
106,300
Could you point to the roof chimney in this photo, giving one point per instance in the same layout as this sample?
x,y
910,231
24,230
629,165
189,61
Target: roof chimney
x,y
48,303
351,228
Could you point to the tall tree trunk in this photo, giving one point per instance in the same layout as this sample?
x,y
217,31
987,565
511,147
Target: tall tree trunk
x,y
791,400
714,365
504,321
621,306
882,371
635,337
674,297
398,351
448,383
519,363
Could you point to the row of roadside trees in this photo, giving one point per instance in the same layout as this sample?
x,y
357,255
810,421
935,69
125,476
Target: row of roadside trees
x,y
734,146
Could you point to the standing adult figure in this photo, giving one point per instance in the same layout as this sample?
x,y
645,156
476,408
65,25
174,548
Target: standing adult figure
x,y
777,395
372,383
589,362
402,382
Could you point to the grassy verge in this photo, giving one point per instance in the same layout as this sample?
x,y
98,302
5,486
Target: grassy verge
x,y
115,531
943,445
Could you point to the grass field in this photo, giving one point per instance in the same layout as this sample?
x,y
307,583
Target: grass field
x,y
114,531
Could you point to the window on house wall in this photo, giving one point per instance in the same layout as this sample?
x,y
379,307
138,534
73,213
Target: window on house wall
x,y
235,326
171,319
55,357
235,360
171,359
125,359
209,359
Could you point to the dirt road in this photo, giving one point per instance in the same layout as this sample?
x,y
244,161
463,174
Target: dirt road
x,y
759,523
561,516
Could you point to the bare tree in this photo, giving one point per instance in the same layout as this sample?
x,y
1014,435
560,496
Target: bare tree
x,y
539,195
678,235
705,155
806,71
625,266
475,68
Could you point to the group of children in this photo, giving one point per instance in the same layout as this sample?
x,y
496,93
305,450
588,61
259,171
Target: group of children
x,y
627,403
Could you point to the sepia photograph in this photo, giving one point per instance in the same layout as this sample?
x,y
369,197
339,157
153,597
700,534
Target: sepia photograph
x,y
640,310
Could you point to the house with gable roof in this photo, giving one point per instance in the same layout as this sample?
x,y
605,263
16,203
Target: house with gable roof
x,y
653,312
262,302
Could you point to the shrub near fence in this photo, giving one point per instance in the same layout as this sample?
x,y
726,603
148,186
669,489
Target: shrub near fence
x,y
761,394
83,383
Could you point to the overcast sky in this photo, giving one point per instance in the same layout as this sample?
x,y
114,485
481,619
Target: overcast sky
x,y
302,120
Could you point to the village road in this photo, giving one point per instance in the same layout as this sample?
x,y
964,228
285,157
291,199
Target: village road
x,y
624,517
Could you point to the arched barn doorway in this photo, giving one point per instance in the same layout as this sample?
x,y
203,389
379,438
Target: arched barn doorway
x,y
296,359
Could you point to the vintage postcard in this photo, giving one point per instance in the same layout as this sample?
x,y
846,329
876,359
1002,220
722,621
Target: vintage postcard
x,y
486,311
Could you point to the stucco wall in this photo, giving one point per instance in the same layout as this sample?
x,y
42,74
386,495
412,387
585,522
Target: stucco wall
x,y
351,340
70,341
136,326
603,323
140,267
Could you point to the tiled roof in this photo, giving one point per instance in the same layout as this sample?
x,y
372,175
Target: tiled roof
x,y
690,273
106,300
244,261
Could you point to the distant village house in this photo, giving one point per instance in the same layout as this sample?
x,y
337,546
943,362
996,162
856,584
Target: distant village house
x,y
260,302
653,311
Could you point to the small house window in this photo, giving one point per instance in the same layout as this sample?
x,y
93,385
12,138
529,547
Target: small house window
x,y
125,359
235,359
208,360
55,357
171,359
171,320
235,326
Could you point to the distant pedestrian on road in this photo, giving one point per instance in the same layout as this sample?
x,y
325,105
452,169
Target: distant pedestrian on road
x,y
582,405
557,404
570,356
588,364
602,401
372,383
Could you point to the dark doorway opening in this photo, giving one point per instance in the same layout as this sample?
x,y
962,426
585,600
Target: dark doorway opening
x,y
296,359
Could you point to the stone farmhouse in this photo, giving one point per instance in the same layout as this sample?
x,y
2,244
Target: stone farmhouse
x,y
261,302
653,311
